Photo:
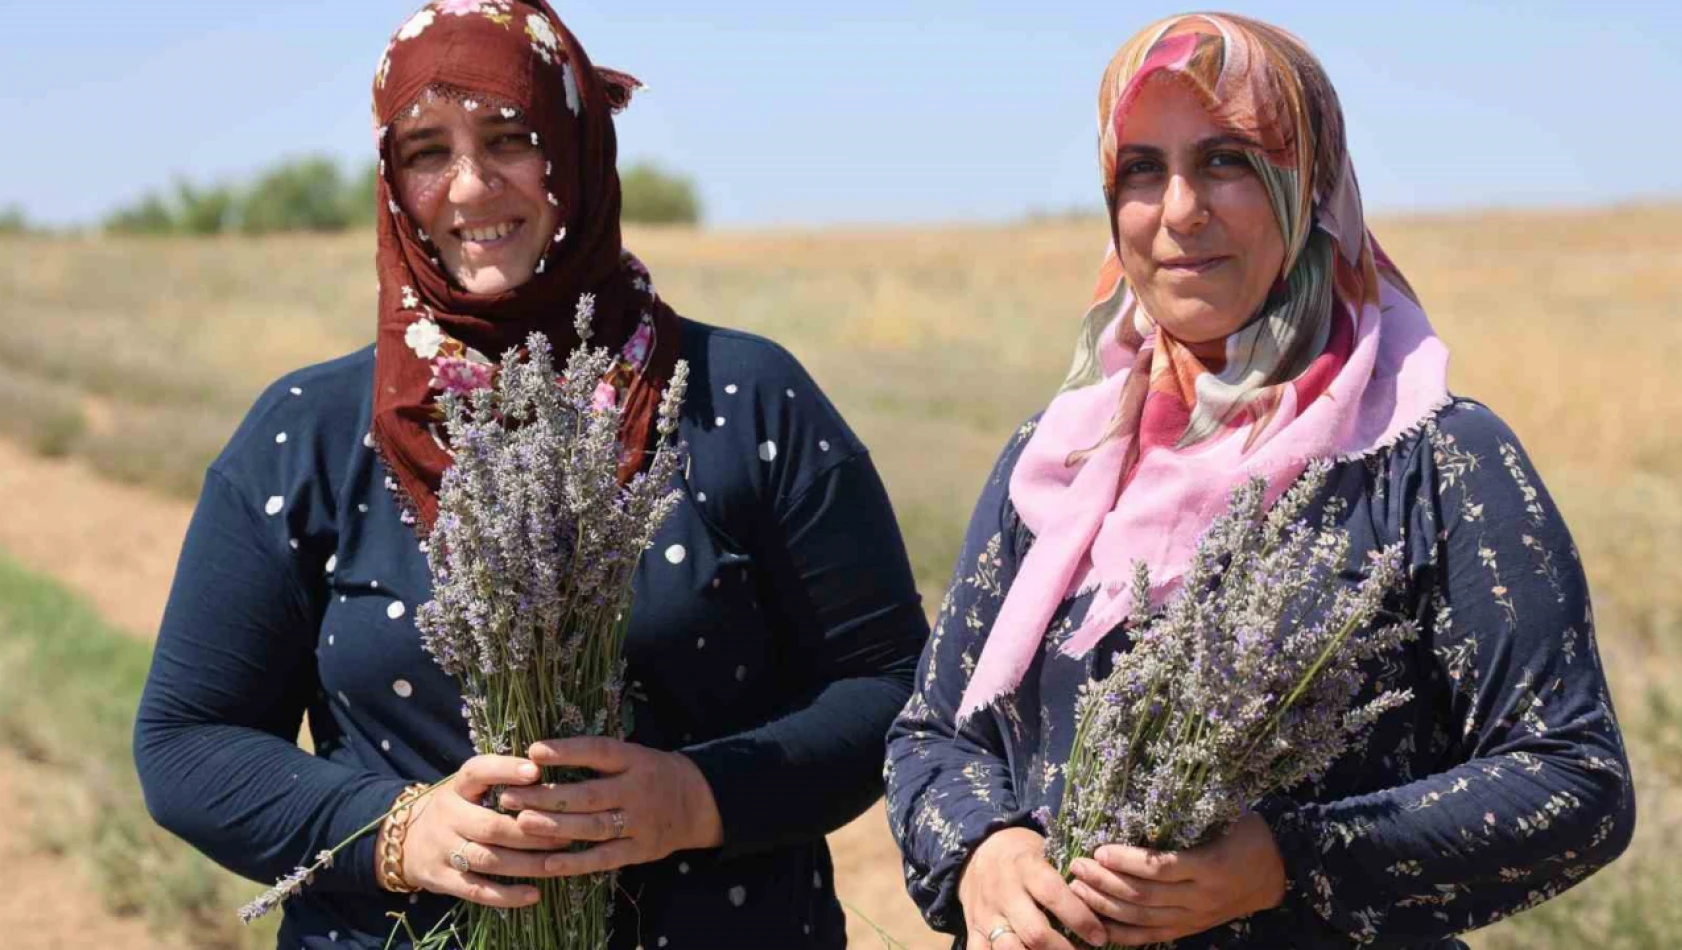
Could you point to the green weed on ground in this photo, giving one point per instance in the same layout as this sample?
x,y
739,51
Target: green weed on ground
x,y
72,684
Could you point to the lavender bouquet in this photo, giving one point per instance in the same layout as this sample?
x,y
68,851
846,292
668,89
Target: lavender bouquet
x,y
1243,686
532,556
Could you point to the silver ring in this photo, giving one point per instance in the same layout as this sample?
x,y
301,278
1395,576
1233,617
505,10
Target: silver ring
x,y
458,859
618,823
999,931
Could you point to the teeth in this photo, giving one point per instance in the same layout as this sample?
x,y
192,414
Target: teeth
x,y
482,235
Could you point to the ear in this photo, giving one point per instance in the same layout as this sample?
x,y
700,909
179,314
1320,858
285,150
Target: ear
x,y
618,87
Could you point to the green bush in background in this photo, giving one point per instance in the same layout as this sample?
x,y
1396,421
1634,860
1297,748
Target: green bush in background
x,y
13,220
305,195
655,196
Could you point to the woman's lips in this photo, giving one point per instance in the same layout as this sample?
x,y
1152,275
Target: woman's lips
x,y
482,244
1192,266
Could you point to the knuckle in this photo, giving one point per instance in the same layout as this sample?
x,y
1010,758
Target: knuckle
x,y
484,827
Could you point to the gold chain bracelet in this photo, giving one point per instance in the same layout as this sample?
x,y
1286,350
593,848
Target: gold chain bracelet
x,y
392,835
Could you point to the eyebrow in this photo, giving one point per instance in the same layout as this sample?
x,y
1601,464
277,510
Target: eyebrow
x,y
429,132
421,134
1202,145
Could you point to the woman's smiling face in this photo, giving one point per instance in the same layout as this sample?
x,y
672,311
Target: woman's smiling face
x,y
1198,238
475,181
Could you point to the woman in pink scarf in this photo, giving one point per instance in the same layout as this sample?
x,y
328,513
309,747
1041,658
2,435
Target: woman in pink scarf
x,y
1246,323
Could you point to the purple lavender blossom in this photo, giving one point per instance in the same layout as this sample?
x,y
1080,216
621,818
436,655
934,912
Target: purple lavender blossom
x,y
1245,684
532,556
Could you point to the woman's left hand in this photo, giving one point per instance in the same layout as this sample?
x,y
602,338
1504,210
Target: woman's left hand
x,y
644,805
1157,896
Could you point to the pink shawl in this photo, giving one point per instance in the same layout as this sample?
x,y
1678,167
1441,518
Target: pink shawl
x,y
1142,495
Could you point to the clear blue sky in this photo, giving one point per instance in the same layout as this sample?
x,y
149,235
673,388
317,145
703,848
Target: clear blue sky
x,y
865,111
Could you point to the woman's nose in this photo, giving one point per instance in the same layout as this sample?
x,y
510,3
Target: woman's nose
x,y
470,181
1184,206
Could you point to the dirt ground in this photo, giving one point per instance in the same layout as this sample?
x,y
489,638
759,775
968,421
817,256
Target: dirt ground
x,y
116,546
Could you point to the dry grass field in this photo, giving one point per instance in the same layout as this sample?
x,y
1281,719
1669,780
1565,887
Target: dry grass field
x,y
138,357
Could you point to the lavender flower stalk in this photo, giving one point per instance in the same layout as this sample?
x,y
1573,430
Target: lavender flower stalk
x,y
286,887
532,557
1245,685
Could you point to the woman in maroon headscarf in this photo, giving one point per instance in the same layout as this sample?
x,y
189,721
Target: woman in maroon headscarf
x,y
775,628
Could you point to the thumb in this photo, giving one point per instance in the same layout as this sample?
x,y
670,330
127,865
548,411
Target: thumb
x,y
483,772
603,755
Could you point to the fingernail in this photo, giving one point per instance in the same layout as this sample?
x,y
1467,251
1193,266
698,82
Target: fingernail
x,y
528,771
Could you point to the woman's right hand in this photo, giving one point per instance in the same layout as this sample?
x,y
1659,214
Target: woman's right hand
x,y
1009,883
451,818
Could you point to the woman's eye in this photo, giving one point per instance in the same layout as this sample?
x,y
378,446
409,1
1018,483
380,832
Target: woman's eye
x,y
1139,167
425,156
512,141
1228,160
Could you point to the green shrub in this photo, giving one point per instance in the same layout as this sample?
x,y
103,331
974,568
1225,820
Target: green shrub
x,y
207,211
151,215
13,220
654,196
303,195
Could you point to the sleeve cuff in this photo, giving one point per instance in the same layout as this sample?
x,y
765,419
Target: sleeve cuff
x,y
354,868
749,789
937,891
1307,910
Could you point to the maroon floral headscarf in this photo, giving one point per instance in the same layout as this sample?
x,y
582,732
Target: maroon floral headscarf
x,y
517,56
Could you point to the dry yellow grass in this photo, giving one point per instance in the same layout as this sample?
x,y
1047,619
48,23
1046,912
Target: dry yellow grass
x,y
141,355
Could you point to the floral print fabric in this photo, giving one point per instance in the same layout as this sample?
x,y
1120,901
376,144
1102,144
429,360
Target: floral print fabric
x,y
1500,784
